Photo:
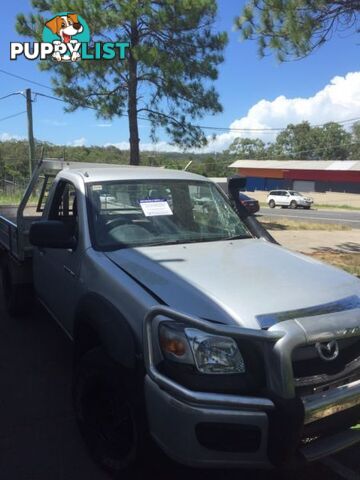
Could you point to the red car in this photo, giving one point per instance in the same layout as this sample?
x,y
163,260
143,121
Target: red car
x,y
249,203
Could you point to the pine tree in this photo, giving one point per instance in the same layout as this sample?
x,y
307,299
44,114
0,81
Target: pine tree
x,y
294,28
167,76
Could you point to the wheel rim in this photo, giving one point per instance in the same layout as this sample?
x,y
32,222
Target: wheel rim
x,y
293,204
110,420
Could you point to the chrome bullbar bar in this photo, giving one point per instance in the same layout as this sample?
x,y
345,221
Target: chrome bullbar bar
x,y
279,343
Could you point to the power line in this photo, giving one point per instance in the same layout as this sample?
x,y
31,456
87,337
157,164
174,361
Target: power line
x,y
12,116
10,95
204,127
25,79
51,97
259,130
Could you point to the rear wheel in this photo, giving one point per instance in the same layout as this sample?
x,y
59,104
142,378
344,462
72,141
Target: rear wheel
x,y
110,411
271,204
293,204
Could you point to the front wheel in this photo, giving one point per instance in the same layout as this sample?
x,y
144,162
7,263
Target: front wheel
x,y
110,412
293,204
272,204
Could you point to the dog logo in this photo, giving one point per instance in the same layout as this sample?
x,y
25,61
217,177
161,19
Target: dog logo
x,y
328,351
66,38
66,29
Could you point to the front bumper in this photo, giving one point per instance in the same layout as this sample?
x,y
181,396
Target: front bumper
x,y
207,429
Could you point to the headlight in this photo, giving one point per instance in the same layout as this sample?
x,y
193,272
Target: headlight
x,y
215,354
210,354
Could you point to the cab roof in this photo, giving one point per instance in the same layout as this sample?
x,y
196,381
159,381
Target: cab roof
x,y
102,172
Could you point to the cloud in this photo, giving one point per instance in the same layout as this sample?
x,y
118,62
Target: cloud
x,y
79,142
5,137
337,101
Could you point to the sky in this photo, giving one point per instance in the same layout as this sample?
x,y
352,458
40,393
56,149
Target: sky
x,y
254,92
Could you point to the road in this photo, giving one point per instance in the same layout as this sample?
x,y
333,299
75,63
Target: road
x,y
343,217
39,439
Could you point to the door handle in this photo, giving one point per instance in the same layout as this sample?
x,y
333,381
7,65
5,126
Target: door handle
x,y
69,271
41,252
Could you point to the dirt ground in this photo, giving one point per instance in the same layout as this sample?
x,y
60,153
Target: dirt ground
x,y
310,241
340,249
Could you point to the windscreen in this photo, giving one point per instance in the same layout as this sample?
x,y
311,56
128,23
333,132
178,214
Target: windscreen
x,y
153,212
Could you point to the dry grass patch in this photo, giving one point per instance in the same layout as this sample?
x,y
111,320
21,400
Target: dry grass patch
x,y
286,224
350,262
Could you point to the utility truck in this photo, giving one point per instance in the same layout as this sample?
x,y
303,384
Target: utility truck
x,y
192,327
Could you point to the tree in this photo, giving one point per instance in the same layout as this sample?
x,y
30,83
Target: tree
x,y
247,148
333,142
355,141
294,28
167,75
297,142
302,141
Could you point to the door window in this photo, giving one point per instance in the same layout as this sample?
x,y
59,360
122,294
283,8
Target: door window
x,y
64,206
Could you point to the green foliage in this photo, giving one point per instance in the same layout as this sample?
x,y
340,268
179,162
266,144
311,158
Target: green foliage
x,y
14,160
302,142
355,138
298,142
247,148
294,28
167,76
334,142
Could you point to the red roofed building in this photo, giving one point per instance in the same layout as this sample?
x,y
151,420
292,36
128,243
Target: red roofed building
x,y
302,175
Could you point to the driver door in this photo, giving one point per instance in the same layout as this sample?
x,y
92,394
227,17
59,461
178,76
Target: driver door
x,y
56,271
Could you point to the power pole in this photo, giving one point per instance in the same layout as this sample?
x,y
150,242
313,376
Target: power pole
x,y
30,131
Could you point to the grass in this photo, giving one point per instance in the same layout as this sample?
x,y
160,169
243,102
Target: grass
x,y
337,207
325,206
350,262
271,223
10,199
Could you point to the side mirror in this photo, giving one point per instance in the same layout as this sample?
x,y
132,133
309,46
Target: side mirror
x,y
235,184
52,234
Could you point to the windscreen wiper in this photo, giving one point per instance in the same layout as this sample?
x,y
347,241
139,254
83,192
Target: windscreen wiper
x,y
238,237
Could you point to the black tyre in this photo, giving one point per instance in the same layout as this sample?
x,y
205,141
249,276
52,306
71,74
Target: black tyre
x,y
110,411
272,204
293,204
306,208
18,298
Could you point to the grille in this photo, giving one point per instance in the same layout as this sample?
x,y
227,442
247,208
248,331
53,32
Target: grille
x,y
313,374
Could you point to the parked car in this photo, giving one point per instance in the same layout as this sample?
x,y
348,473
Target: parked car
x,y
288,198
188,323
251,204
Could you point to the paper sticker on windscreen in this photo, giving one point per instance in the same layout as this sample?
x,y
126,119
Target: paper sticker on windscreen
x,y
155,207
